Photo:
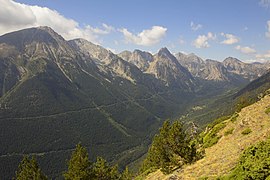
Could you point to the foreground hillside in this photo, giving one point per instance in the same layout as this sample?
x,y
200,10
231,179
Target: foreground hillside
x,y
222,157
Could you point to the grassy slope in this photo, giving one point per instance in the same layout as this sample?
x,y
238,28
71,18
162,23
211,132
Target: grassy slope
x,y
223,156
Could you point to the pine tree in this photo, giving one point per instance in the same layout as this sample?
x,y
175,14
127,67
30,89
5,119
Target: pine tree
x,y
171,148
102,171
29,169
126,175
79,166
158,153
179,144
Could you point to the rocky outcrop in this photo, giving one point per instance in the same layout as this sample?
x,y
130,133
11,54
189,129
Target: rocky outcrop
x,y
166,68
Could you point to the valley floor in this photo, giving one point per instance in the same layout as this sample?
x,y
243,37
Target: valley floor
x,y
221,158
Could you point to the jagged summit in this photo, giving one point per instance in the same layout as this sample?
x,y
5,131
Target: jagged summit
x,y
166,68
164,52
231,60
139,58
42,34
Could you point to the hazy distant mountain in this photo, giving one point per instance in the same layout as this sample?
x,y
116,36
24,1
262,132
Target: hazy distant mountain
x,y
107,61
139,58
248,71
230,70
166,68
192,62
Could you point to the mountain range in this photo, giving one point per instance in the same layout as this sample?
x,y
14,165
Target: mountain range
x,y
55,93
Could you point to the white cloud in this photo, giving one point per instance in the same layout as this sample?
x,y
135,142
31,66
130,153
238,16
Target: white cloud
x,y
106,29
202,40
181,40
255,60
245,28
15,16
245,50
265,3
267,34
230,39
147,37
112,50
194,26
264,56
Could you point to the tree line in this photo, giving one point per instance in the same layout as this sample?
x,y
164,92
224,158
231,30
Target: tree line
x,y
173,147
79,167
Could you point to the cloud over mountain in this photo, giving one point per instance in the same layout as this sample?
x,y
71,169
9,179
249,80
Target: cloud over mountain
x,y
267,34
147,37
202,41
194,26
230,39
29,16
245,50
265,3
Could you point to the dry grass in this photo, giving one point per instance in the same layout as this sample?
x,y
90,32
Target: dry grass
x,y
223,156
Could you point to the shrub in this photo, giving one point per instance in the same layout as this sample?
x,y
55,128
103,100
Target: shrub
x,y
254,163
267,111
246,131
234,117
229,131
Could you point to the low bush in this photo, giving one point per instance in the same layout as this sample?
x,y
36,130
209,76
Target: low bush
x,y
254,163
246,131
234,117
267,111
229,131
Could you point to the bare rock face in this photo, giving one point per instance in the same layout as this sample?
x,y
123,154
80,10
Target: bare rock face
x,y
25,53
207,70
141,59
166,68
193,63
248,71
214,70
230,69
106,60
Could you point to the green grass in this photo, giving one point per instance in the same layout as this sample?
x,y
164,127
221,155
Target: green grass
x,y
203,178
246,131
234,117
211,137
267,111
228,132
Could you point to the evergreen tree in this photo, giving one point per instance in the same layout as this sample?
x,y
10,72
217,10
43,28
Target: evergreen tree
x,y
126,175
157,156
79,166
171,148
102,171
29,169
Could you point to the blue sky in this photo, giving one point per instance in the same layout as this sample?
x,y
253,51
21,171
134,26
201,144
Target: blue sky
x,y
212,29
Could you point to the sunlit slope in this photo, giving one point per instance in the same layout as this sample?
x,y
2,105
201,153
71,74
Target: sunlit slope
x,y
221,158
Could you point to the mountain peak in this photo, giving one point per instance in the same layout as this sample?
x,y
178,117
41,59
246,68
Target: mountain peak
x,y
45,28
42,34
163,50
137,51
231,60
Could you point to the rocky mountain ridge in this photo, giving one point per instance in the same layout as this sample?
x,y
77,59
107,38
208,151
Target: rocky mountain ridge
x,y
227,70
